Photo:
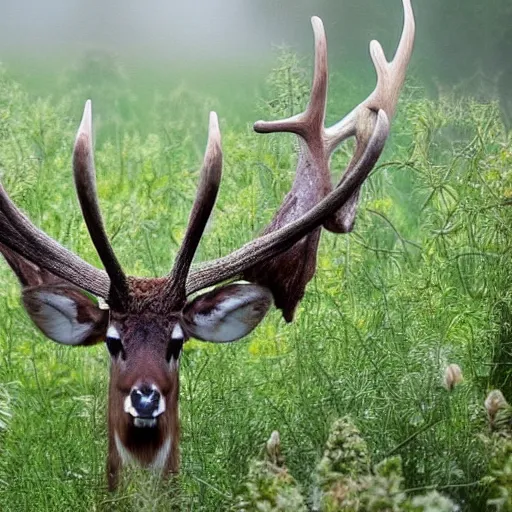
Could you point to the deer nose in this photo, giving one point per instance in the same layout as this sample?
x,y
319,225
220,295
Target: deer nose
x,y
146,402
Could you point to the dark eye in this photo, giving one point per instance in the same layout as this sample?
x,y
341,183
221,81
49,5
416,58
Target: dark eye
x,y
113,341
115,347
175,344
174,349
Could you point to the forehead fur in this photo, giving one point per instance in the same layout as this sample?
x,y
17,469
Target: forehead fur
x,y
149,317
149,295
146,325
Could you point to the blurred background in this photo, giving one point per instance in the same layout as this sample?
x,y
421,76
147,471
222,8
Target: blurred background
x,y
226,47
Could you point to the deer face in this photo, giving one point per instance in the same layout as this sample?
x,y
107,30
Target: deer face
x,y
145,350
145,340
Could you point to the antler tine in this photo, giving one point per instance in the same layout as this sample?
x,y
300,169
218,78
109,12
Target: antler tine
x,y
85,181
206,196
390,78
276,242
20,235
311,184
359,122
310,122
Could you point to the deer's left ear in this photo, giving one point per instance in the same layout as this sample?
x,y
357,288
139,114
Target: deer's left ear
x,y
227,313
66,314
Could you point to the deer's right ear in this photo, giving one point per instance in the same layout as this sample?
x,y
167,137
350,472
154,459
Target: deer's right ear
x,y
66,314
227,313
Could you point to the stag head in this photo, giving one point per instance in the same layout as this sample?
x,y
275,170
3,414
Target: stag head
x,y
145,321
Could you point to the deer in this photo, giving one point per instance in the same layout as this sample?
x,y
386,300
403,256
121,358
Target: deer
x,y
144,322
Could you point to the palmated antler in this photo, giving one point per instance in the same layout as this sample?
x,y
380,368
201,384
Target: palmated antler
x,y
286,273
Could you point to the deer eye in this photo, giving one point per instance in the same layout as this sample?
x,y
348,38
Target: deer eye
x,y
175,344
174,349
113,341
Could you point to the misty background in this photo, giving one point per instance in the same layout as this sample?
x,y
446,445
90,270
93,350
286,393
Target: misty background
x,y
229,45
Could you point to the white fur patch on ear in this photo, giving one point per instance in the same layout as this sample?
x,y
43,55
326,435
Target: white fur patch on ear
x,y
227,313
56,315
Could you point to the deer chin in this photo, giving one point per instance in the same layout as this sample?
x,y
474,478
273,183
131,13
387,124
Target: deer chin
x,y
145,422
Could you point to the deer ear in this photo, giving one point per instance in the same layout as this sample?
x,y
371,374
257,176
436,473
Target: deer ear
x,y
65,314
227,313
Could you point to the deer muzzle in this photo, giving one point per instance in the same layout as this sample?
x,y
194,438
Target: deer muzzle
x,y
144,403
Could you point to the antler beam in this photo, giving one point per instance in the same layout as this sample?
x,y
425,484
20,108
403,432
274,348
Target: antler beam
x,y
368,122
274,243
21,236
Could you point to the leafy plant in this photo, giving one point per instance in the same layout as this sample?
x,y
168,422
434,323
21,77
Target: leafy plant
x,y
343,481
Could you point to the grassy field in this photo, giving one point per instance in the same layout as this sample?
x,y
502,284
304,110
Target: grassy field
x,y
423,281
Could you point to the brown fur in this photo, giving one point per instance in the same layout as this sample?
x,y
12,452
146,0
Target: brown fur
x,y
287,274
145,340
145,324
142,443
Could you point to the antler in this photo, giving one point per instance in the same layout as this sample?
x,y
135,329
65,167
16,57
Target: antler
x,y
206,195
22,237
390,78
276,242
318,143
30,251
85,182
312,202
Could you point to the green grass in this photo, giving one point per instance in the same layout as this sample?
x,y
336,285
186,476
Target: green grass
x,y
422,282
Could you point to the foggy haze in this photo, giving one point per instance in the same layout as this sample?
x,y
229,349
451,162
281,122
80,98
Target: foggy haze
x,y
157,30
465,43
154,29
